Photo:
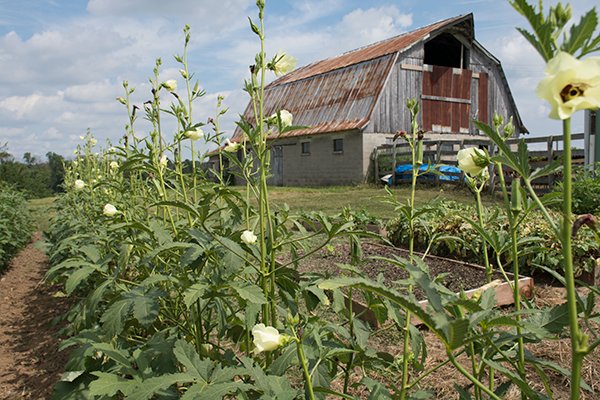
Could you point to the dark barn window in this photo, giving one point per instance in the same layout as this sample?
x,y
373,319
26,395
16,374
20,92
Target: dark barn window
x,y
338,145
305,148
447,51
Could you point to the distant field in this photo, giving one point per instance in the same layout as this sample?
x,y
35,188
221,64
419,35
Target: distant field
x,y
42,212
370,198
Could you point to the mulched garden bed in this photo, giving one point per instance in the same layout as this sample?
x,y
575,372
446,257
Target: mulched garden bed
x,y
458,275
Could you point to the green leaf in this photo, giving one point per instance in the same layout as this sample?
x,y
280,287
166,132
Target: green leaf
x,y
214,391
581,32
114,354
162,235
111,384
251,293
146,307
286,359
552,320
146,389
91,252
113,319
194,292
78,276
70,376
456,332
188,357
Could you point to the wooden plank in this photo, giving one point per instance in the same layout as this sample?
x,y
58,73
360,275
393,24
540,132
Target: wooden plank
x,y
483,98
446,99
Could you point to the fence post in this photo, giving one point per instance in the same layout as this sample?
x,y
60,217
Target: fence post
x,y
376,164
550,158
394,162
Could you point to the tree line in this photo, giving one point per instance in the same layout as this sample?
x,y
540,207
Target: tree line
x,y
33,176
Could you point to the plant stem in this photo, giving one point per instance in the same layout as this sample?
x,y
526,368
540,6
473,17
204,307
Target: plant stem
x,y
470,377
578,340
411,244
302,359
486,261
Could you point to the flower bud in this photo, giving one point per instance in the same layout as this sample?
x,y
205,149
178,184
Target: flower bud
x,y
248,237
79,184
230,146
170,85
472,160
109,210
194,134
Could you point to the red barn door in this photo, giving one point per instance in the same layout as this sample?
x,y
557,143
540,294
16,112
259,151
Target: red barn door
x,y
446,99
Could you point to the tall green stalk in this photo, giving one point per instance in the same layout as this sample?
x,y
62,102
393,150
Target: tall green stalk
x,y
578,338
416,148
515,260
486,261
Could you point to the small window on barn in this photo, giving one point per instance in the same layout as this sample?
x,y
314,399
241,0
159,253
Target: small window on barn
x,y
447,51
305,148
338,145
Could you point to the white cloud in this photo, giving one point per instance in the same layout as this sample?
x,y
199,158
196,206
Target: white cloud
x,y
93,92
374,24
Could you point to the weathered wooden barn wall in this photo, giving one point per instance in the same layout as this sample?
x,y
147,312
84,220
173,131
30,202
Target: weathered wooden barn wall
x,y
499,97
488,94
390,113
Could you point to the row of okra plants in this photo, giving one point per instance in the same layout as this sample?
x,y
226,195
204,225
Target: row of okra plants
x,y
184,287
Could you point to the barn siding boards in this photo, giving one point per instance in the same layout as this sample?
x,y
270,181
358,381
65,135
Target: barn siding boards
x,y
362,96
482,96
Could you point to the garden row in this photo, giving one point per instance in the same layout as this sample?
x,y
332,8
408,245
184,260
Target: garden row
x,y
15,224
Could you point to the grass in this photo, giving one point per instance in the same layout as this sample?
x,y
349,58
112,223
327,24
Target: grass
x,y
333,199
41,212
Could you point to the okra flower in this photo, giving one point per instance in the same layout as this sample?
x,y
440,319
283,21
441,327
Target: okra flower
x,y
163,161
93,142
267,338
472,161
570,85
109,210
248,237
230,146
286,118
114,165
194,134
170,85
79,184
282,63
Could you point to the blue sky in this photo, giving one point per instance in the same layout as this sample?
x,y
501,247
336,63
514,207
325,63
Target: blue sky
x,y
62,61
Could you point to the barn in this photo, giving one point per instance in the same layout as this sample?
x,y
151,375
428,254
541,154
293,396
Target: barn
x,y
354,102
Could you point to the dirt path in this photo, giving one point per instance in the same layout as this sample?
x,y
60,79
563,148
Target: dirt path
x,y
30,364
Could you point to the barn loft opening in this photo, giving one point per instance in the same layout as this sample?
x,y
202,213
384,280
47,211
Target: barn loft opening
x,y
447,51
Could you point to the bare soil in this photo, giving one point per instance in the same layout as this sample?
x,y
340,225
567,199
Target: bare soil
x,y
30,363
457,275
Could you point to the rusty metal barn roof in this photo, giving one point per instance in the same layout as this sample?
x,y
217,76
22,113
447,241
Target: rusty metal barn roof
x,y
339,93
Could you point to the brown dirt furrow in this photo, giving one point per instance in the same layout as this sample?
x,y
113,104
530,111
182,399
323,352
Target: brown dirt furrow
x,y
30,363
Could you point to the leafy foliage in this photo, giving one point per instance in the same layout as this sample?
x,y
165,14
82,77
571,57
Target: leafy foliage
x,y
451,231
15,223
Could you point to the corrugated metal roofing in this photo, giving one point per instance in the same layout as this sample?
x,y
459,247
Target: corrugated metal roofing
x,y
339,94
